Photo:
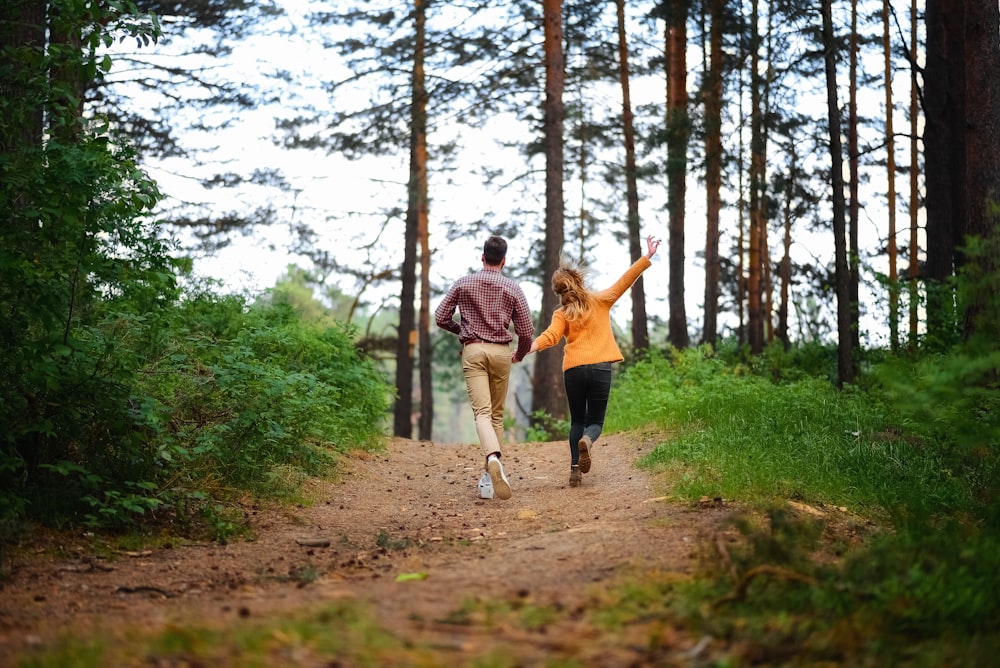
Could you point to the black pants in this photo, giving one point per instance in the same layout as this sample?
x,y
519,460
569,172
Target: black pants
x,y
588,388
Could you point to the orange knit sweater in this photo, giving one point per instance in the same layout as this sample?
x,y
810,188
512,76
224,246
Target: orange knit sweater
x,y
589,340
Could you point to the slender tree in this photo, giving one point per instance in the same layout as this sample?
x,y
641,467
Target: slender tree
x,y
853,156
742,278
640,330
419,201
914,245
713,170
415,234
756,252
22,32
678,134
785,267
981,28
766,94
944,160
845,363
548,392
890,167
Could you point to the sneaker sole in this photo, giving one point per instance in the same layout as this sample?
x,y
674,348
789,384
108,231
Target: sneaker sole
x,y
584,455
501,488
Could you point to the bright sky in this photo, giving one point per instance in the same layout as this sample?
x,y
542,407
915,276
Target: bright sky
x,y
330,193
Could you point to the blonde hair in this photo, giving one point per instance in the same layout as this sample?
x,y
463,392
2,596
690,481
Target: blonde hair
x,y
569,281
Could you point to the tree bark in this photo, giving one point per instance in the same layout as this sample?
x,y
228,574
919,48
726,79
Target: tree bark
x,y
407,336
66,74
914,246
845,365
742,260
640,331
982,25
785,269
755,312
854,185
890,168
767,285
548,392
23,29
419,192
713,171
944,160
678,133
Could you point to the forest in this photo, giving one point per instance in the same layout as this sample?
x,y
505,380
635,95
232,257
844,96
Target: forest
x,y
825,177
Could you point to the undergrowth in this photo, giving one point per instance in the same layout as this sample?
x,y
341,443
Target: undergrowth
x,y
204,402
914,452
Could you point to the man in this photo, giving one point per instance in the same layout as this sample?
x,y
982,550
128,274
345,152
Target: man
x,y
487,302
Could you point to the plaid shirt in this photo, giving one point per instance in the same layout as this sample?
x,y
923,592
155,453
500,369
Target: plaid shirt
x,y
487,302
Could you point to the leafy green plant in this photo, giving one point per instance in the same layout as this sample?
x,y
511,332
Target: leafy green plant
x,y
746,437
544,427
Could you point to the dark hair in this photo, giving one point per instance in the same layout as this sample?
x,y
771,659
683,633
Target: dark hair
x,y
494,250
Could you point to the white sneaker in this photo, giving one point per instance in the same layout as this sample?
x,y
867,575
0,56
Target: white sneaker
x,y
501,487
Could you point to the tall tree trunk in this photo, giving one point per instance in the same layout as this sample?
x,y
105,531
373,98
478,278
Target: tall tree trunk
x,y
678,133
407,335
22,28
548,392
854,184
419,190
914,247
785,270
982,25
640,331
742,281
890,167
944,160
713,171
767,287
755,311
66,74
845,364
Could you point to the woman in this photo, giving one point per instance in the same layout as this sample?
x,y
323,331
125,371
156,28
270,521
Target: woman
x,y
585,320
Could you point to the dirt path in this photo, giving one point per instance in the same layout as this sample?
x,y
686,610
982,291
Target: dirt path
x,y
413,509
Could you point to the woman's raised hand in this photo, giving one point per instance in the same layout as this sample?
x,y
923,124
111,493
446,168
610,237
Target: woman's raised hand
x,y
652,245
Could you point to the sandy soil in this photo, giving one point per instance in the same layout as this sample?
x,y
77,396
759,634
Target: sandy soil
x,y
412,509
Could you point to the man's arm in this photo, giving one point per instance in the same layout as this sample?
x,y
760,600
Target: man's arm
x,y
444,316
523,327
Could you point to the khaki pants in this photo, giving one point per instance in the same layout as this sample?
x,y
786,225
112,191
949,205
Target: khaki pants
x,y
486,367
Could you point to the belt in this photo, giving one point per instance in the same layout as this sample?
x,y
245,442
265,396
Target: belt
x,y
492,343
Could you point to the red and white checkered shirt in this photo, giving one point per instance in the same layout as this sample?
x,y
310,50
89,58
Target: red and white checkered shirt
x,y
487,302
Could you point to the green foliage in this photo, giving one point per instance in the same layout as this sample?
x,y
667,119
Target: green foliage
x,y
951,400
917,447
902,596
742,436
544,427
212,397
929,581
357,641
74,241
122,400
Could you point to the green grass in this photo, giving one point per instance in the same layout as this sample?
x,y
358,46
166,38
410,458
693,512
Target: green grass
x,y
918,466
340,633
914,451
746,438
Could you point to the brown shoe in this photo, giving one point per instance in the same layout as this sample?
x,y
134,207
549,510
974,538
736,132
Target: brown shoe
x,y
585,444
574,476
